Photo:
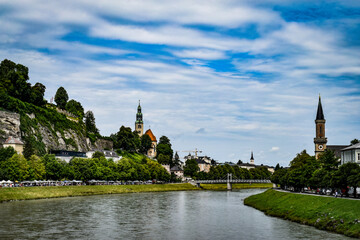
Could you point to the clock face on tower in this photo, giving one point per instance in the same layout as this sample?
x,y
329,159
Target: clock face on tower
x,y
321,147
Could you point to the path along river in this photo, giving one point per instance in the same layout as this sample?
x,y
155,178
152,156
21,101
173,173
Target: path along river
x,y
167,215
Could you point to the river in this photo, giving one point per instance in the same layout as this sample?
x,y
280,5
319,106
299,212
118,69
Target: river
x,y
167,215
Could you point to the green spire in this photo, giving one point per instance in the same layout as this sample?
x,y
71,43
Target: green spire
x,y
139,118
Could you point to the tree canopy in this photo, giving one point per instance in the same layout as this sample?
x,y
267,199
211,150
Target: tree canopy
x,y
61,97
14,82
75,108
90,122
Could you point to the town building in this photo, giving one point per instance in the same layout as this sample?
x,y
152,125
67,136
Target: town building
x,y
15,143
351,154
67,155
108,154
178,171
204,162
252,164
152,151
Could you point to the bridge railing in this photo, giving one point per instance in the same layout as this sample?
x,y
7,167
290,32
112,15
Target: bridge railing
x,y
234,181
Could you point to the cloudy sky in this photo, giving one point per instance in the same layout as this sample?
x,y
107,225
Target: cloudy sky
x,y
227,77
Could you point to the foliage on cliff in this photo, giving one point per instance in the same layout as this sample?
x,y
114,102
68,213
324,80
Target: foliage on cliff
x,y
327,213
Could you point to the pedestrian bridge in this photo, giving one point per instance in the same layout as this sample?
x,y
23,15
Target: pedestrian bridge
x,y
229,181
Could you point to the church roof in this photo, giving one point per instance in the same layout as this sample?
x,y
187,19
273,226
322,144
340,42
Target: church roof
x,y
151,135
12,140
252,156
320,113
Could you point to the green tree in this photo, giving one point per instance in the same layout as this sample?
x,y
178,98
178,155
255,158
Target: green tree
x,y
353,178
37,94
36,168
98,154
191,168
239,162
127,140
163,159
6,153
328,160
29,149
145,144
90,122
354,141
61,97
301,171
340,178
278,177
16,168
13,80
54,168
75,108
164,148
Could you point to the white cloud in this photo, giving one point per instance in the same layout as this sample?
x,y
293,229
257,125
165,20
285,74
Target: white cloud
x,y
274,149
200,54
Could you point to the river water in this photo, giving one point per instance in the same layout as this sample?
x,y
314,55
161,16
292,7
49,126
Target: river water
x,y
168,215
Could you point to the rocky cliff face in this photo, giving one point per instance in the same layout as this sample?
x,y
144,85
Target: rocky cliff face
x,y
46,135
9,125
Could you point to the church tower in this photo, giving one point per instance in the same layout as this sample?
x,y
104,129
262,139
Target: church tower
x,y
252,158
139,124
320,140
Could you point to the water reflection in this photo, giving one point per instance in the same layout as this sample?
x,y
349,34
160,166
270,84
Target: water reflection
x,y
170,215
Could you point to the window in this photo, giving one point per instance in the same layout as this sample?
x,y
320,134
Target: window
x,y
358,157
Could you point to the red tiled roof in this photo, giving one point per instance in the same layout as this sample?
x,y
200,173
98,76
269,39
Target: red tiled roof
x,y
151,135
12,140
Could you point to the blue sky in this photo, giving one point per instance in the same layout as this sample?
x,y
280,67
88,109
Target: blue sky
x,y
227,77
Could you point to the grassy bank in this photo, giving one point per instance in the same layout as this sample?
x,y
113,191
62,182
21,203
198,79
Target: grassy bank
x,y
27,193
326,213
222,187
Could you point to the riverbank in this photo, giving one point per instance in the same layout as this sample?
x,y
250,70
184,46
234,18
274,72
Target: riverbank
x,y
29,193
326,213
223,187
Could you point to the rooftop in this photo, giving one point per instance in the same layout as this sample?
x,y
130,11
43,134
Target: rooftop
x,y
151,135
12,140
355,146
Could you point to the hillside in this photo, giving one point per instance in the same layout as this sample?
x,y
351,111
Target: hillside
x,y
44,128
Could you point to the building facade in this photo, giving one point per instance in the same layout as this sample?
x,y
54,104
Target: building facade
x,y
152,151
351,154
15,143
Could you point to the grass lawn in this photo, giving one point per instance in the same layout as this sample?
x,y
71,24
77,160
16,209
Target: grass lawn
x,y
327,213
26,193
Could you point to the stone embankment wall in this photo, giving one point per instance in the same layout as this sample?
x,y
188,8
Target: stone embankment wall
x,y
68,139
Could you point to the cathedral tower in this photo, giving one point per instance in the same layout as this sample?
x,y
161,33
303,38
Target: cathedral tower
x,y
320,140
139,124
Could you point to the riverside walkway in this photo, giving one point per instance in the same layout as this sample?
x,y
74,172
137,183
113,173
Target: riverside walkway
x,y
315,194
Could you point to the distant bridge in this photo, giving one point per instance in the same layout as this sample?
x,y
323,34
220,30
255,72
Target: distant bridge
x,y
229,181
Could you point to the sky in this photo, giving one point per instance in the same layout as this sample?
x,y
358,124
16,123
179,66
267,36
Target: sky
x,y
225,77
